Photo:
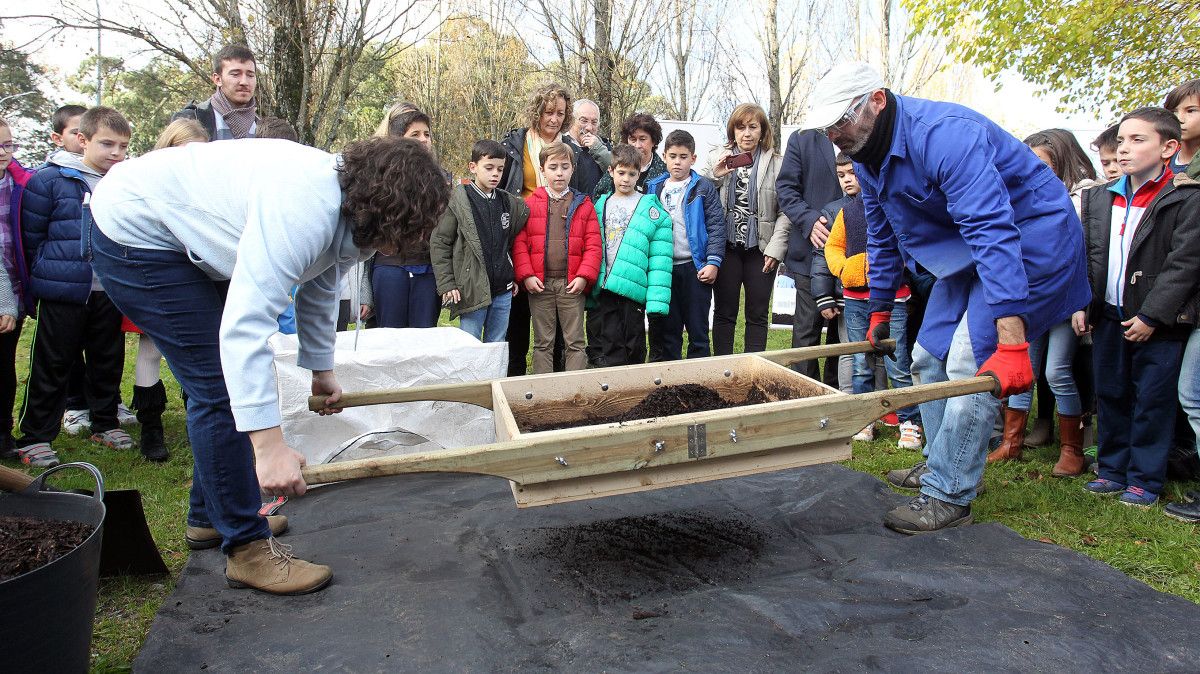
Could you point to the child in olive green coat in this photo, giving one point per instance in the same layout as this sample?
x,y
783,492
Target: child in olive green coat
x,y
470,247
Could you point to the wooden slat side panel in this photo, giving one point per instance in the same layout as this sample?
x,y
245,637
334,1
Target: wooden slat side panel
x,y
599,486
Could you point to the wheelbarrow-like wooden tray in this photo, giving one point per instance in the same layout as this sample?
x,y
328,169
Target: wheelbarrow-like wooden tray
x,y
813,426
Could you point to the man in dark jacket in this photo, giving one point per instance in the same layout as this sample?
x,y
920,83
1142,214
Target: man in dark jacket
x,y
231,112
591,164
807,181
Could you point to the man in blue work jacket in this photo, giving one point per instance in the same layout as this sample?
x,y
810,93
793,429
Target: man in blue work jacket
x,y
948,189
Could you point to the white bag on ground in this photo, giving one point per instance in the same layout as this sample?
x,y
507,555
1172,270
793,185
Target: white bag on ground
x,y
389,358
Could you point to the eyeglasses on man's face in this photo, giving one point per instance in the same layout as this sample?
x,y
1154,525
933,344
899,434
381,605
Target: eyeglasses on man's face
x,y
853,114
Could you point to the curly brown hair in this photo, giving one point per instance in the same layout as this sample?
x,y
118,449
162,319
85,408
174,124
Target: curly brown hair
x,y
394,192
543,96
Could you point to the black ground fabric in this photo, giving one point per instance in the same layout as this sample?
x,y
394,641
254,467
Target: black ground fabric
x,y
785,572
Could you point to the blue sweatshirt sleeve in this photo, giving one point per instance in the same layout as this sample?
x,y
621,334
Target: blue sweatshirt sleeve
x,y
283,238
714,222
961,162
885,267
37,205
316,319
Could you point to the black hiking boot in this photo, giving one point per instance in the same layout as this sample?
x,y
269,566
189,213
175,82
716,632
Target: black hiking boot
x,y
1187,511
907,478
910,478
926,514
150,401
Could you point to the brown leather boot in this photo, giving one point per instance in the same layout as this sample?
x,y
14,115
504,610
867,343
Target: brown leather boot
x,y
268,566
1014,437
1070,453
203,538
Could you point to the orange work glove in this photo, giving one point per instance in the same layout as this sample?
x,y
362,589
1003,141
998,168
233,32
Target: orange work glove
x,y
1011,368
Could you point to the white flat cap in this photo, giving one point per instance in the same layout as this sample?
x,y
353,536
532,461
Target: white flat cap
x,y
834,93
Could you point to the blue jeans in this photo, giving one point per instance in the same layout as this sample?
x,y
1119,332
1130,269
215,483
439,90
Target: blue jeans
x,y
403,299
899,371
690,302
956,429
1189,383
1058,345
490,323
1135,403
180,308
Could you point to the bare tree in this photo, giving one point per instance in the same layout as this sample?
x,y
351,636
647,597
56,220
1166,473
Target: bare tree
x,y
603,49
688,70
311,52
794,51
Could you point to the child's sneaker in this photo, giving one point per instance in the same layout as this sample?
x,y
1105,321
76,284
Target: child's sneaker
x,y
76,421
910,436
1138,497
38,455
890,420
116,439
125,416
865,435
1104,487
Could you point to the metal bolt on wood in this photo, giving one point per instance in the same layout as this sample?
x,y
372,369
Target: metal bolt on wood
x,y
604,387
659,445
728,373
529,395
733,435
561,461
824,422
657,381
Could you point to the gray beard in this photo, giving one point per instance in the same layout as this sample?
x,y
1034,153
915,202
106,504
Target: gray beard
x,y
870,118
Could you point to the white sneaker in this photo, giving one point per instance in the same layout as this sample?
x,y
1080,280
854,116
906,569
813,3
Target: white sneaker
x,y
865,435
77,421
125,416
910,436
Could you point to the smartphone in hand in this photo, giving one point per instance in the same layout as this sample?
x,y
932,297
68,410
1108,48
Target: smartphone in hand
x,y
735,161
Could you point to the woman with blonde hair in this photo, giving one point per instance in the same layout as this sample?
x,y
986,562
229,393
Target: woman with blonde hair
x,y
547,117
181,132
744,170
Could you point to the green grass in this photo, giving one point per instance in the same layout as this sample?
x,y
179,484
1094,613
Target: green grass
x,y
1144,544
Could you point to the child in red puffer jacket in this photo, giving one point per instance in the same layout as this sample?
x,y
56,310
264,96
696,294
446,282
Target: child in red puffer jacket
x,y
556,259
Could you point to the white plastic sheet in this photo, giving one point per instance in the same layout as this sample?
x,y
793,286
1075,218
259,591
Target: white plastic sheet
x,y
389,358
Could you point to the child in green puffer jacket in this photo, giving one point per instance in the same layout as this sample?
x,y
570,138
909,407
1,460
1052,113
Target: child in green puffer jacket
x,y
635,269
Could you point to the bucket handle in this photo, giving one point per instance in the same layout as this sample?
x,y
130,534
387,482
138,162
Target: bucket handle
x,y
38,483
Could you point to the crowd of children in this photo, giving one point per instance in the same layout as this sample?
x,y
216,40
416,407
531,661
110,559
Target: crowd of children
x,y
639,238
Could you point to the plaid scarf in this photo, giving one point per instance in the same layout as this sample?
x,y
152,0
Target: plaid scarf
x,y
239,120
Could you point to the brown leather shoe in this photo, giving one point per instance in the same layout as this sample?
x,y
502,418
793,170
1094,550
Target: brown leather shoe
x,y
1014,437
203,538
1070,452
268,566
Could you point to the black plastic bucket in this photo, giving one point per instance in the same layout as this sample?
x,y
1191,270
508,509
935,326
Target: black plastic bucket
x,y
46,615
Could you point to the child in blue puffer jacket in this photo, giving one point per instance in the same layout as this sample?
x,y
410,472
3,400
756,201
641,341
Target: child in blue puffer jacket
x,y
74,313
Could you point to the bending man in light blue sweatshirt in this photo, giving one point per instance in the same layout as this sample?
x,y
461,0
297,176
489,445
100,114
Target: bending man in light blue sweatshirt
x,y
199,246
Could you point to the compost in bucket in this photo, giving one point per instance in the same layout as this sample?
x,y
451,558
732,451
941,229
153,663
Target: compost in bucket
x,y
28,543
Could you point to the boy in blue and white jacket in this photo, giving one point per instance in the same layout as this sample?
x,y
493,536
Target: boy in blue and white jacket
x,y
74,314
698,228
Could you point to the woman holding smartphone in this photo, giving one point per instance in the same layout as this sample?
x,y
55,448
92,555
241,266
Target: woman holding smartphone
x,y
744,170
